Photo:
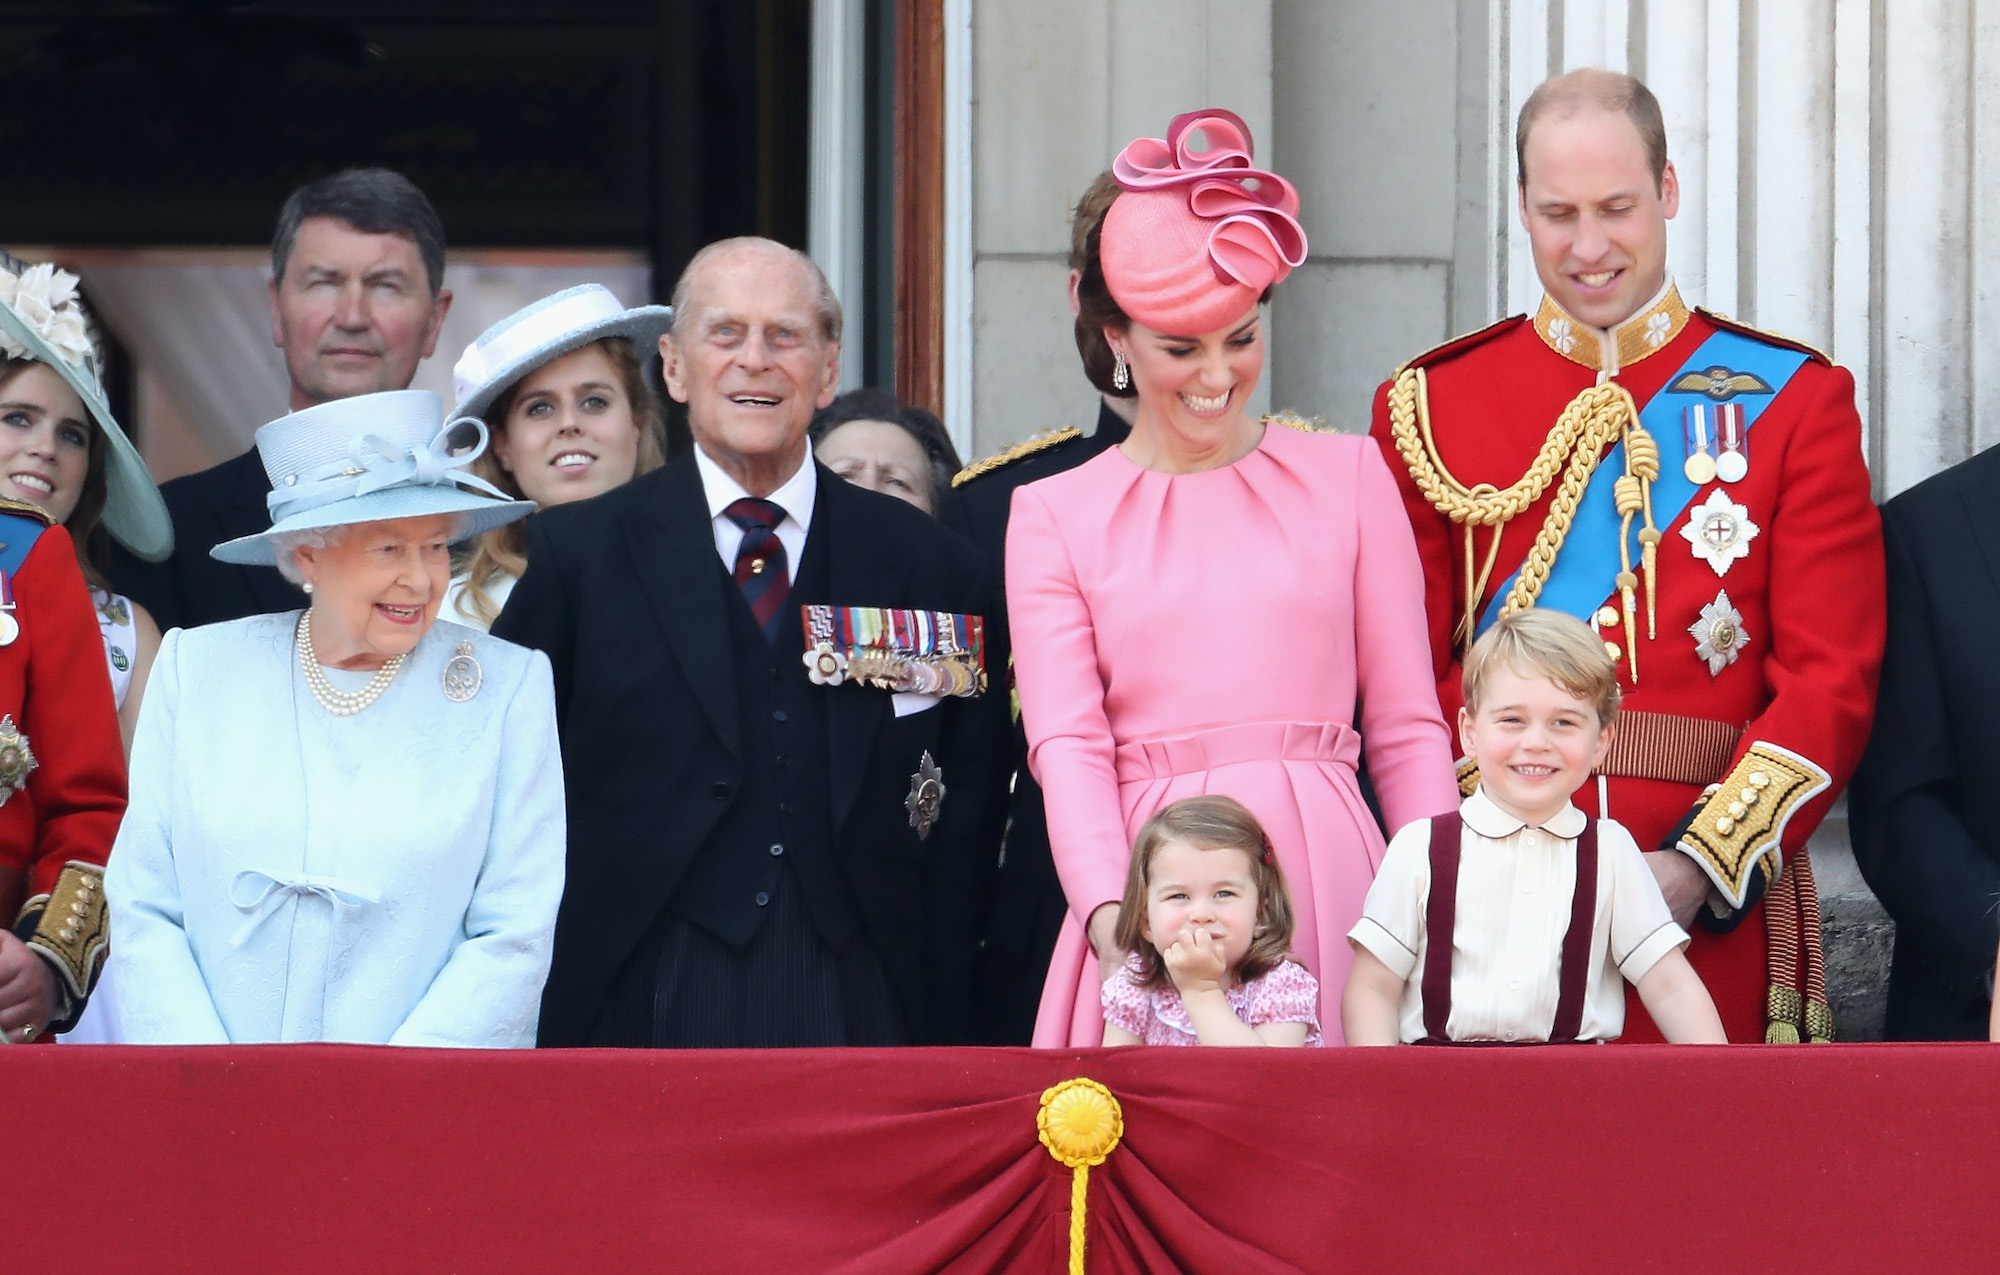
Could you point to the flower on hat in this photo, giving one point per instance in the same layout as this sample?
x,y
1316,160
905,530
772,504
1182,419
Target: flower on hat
x,y
1197,235
1255,238
45,298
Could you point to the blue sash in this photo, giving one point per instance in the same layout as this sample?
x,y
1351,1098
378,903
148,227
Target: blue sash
x,y
1586,570
18,534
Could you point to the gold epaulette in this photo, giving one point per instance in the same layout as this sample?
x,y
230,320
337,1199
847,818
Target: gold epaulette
x,y
69,925
27,510
1006,456
1304,424
1774,338
1463,341
1742,822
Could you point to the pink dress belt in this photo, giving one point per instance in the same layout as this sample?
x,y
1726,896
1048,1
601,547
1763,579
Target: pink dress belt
x,y
1233,745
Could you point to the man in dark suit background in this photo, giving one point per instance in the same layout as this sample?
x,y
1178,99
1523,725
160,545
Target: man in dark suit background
x,y
357,301
1028,904
745,864
1924,807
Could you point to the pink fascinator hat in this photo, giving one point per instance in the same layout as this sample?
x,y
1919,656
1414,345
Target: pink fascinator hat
x,y
1195,236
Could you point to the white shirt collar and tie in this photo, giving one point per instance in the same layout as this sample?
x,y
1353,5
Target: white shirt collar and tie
x,y
796,496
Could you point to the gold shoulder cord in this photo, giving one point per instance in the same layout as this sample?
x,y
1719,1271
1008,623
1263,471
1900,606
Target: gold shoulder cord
x,y
1596,418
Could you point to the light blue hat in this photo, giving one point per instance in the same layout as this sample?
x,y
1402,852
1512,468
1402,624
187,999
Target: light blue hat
x,y
42,319
552,327
369,458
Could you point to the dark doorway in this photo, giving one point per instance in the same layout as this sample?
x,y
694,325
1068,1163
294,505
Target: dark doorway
x,y
563,123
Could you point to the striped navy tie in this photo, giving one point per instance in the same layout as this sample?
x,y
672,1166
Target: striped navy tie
x,y
760,561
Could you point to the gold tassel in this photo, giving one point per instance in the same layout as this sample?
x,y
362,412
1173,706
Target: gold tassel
x,y
1081,1123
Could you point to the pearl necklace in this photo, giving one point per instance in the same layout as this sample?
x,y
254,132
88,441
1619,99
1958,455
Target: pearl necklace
x,y
338,702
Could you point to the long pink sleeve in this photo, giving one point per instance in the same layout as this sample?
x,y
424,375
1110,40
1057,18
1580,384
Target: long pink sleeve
x,y
1404,735
1062,708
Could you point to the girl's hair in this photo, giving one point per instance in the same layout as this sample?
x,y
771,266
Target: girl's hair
x,y
85,523
1208,823
504,550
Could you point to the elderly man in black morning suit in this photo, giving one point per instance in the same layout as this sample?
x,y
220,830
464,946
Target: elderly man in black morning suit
x,y
758,852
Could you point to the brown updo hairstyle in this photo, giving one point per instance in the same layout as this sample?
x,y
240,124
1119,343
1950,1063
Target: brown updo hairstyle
x,y
504,550
1208,823
1095,310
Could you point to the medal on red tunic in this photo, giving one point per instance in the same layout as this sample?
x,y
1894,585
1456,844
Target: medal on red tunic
x,y
1733,464
10,628
17,760
1696,426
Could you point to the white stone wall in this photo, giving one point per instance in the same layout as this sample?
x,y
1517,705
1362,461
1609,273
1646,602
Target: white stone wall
x,y
1059,87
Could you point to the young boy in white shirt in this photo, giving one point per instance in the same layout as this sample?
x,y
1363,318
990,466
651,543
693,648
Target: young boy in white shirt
x,y
1543,912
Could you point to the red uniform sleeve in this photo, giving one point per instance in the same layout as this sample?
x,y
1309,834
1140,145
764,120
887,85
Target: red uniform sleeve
x,y
76,794
1828,618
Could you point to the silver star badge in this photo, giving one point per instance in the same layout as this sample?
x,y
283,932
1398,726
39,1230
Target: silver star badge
x,y
17,759
1718,635
926,796
1719,531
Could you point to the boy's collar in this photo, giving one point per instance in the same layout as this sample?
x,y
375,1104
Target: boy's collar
x,y
1490,821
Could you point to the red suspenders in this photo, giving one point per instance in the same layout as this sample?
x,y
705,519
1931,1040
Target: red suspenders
x,y
1440,919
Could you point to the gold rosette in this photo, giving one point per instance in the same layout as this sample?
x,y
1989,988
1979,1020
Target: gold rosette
x,y
1081,1123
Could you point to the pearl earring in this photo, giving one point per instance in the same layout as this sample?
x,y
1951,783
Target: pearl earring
x,y
307,586
1121,373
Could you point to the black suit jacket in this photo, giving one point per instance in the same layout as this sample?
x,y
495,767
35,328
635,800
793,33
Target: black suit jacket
x,y
624,594
1924,806
191,588
1028,904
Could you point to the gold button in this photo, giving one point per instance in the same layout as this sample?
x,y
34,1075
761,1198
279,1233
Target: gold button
x,y
78,908
1758,779
1725,825
1607,617
1737,810
1750,796
1611,649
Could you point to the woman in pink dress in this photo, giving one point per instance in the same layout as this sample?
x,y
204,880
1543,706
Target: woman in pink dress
x,y
1213,605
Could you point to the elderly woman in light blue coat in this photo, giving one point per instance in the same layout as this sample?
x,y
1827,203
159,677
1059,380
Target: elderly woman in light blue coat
x,y
346,823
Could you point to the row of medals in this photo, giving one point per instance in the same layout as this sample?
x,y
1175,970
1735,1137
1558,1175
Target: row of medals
x,y
894,671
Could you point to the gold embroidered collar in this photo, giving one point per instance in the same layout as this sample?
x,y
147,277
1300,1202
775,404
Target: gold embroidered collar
x,y
1610,351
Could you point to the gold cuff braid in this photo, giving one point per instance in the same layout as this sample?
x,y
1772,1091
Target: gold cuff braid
x,y
71,927
1744,820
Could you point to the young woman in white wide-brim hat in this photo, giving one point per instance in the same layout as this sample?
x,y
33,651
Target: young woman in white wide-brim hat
x,y
563,385
346,823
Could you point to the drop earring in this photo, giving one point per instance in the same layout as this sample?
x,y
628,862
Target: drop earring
x,y
1121,373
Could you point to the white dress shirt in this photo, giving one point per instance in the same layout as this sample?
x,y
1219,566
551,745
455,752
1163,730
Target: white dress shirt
x,y
1515,885
795,496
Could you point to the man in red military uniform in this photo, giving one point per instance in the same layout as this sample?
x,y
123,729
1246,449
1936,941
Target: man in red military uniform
x,y
62,779
1693,489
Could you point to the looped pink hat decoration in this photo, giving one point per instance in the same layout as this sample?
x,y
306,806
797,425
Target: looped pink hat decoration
x,y
1195,237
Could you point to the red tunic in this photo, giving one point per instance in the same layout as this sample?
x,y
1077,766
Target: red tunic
x,y
1810,591
56,833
